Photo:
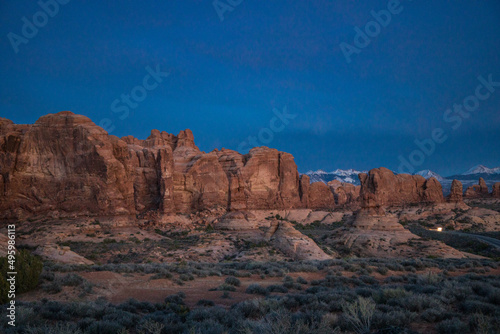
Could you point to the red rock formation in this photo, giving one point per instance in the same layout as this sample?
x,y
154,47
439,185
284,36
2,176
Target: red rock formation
x,y
304,184
472,191
380,187
477,190
65,165
320,196
483,188
456,192
63,162
496,190
344,193
340,196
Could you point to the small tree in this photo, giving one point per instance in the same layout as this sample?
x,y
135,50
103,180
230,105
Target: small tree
x,y
28,268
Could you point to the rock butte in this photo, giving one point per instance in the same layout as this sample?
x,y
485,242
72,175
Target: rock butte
x,y
66,166
480,190
381,188
496,190
456,192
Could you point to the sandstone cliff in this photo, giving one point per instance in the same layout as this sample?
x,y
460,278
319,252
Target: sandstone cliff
x,y
64,165
380,187
345,193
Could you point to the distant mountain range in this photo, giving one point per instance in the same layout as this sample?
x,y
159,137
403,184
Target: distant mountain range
x,y
348,176
428,174
478,171
468,178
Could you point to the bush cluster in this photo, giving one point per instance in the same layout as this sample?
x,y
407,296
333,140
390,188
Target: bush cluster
x,y
28,268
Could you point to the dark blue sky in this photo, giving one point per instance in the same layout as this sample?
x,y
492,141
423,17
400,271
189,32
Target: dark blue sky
x,y
226,77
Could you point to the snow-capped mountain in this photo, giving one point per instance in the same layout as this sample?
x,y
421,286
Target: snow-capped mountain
x,y
348,176
428,174
480,169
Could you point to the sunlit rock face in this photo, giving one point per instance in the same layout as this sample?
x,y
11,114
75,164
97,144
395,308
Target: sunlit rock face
x,y
381,187
64,165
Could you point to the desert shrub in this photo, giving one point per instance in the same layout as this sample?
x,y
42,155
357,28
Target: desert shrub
x,y
382,270
368,279
86,288
249,309
435,314
104,327
123,318
482,324
232,281
481,289
72,280
52,287
418,303
205,302
394,266
131,305
429,278
452,326
301,280
227,318
163,274
385,295
277,288
364,292
396,318
66,328
475,306
394,279
47,275
150,327
178,298
225,287
359,314
316,282
494,297
186,277
256,289
455,292
208,326
53,311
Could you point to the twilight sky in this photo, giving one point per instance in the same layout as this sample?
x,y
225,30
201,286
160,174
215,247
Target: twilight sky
x,y
229,79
